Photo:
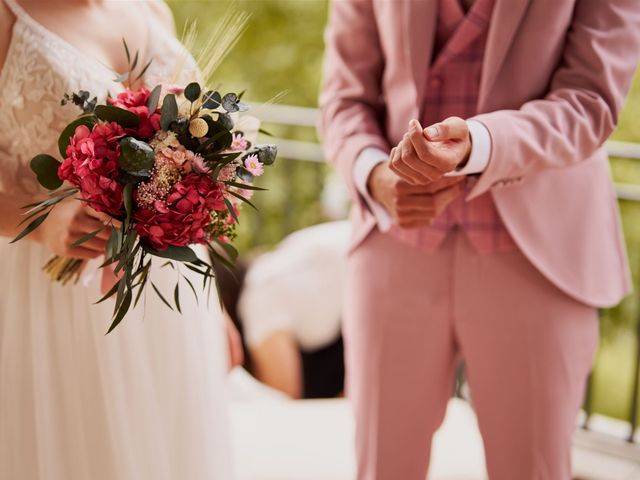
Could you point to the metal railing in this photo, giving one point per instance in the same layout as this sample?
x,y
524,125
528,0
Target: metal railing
x,y
311,151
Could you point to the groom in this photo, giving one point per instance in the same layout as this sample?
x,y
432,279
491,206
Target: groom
x,y
491,236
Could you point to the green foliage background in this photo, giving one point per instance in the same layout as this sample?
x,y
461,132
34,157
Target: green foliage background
x,y
281,51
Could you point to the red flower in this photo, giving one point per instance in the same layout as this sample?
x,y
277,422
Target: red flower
x,y
183,219
136,102
92,166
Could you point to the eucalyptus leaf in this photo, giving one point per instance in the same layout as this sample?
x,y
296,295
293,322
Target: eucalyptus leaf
x,y
226,121
31,227
46,169
192,91
122,310
126,51
86,238
164,300
176,296
231,209
136,157
230,102
211,100
241,198
245,186
266,153
144,70
154,98
111,113
179,254
168,112
127,195
195,294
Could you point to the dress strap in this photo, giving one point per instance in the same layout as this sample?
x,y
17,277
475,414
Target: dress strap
x,y
16,9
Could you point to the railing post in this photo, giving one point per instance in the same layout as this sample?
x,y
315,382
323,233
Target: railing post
x,y
633,417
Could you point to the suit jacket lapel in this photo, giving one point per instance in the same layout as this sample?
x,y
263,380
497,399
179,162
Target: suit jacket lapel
x,y
507,16
420,21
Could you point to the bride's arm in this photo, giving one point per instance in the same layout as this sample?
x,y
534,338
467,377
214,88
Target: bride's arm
x,y
163,14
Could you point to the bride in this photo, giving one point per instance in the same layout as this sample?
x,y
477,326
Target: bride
x,y
148,400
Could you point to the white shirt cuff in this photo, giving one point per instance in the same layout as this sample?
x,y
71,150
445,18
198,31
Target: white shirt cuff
x,y
368,159
480,150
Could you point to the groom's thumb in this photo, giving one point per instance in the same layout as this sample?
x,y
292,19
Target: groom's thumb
x,y
449,129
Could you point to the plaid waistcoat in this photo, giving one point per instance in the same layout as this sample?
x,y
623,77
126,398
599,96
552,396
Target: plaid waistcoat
x,y
452,90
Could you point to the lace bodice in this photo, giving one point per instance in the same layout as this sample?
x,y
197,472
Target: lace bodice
x,y
40,67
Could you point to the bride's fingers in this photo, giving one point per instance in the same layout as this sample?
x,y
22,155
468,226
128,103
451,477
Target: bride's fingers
x,y
103,218
83,253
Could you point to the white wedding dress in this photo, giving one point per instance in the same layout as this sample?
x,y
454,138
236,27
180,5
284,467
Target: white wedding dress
x,y
147,401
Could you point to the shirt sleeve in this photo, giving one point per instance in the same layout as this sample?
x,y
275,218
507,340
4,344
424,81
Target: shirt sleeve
x,y
366,161
480,150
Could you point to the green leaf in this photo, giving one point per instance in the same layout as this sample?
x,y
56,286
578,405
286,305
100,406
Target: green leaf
x,y
123,77
168,112
126,50
211,100
114,243
111,113
46,169
144,70
136,157
245,186
153,285
86,238
65,137
265,132
241,198
192,92
31,227
176,296
134,64
192,289
110,293
267,153
230,102
219,139
122,311
179,254
225,262
127,194
154,98
231,209
229,249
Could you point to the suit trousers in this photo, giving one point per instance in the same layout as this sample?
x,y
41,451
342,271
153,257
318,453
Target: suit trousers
x,y
412,316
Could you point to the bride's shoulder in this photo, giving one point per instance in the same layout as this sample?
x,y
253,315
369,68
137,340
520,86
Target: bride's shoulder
x,y
7,19
163,14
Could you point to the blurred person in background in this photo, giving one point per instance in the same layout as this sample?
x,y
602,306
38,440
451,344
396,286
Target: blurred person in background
x,y
287,304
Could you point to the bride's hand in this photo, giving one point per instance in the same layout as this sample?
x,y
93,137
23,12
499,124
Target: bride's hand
x,y
68,222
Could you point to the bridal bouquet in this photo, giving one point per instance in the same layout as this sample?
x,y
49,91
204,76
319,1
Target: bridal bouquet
x,y
168,166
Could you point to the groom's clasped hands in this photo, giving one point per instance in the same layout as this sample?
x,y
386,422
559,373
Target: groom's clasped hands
x,y
413,185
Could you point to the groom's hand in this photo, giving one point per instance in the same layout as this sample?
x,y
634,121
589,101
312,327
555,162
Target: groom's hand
x,y
426,155
412,206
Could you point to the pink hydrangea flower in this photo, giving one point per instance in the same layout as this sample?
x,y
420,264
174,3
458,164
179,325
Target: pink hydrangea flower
x,y
183,218
136,102
253,165
92,166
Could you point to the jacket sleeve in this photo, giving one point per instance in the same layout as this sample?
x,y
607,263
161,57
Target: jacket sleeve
x,y
351,103
586,95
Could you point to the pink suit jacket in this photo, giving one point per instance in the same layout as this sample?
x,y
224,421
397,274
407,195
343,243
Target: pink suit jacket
x,y
555,76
